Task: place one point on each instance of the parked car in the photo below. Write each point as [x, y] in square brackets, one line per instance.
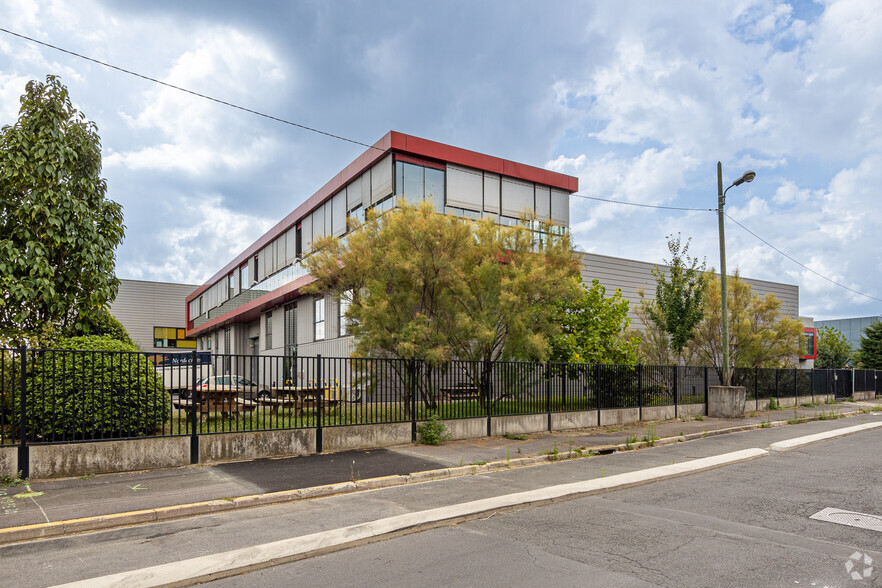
[246, 388]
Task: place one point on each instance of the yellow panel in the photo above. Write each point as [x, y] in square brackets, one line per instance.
[186, 344]
[182, 334]
[169, 333]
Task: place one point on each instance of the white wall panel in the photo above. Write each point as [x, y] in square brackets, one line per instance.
[338, 214]
[306, 234]
[318, 223]
[328, 212]
[560, 207]
[290, 245]
[381, 179]
[491, 192]
[262, 264]
[543, 202]
[517, 197]
[465, 188]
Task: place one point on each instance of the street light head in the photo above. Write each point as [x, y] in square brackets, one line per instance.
[745, 177]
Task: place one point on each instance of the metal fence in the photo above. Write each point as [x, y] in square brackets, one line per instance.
[64, 396]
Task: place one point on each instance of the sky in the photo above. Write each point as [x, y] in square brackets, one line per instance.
[638, 99]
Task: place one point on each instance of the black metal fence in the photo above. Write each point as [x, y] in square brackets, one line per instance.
[61, 396]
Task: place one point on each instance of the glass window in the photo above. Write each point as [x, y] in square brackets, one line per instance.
[413, 182]
[268, 330]
[319, 319]
[243, 276]
[172, 337]
[231, 285]
[344, 306]
[435, 187]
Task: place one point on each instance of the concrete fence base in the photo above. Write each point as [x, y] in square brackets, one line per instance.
[726, 402]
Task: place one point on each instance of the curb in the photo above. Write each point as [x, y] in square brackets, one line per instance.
[212, 567]
[170, 513]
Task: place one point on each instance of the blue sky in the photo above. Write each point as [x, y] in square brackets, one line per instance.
[638, 99]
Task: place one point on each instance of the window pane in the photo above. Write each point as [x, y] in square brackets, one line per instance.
[435, 187]
[413, 182]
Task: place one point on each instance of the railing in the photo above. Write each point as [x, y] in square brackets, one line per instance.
[64, 396]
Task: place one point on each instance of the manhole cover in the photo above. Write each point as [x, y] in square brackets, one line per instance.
[847, 517]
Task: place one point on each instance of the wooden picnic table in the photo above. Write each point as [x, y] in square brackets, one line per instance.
[299, 397]
[223, 400]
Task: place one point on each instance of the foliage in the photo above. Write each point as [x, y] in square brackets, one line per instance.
[432, 431]
[834, 350]
[592, 328]
[870, 353]
[655, 343]
[100, 323]
[434, 287]
[679, 296]
[97, 387]
[758, 336]
[58, 232]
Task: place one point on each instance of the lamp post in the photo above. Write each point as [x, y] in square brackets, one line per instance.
[747, 176]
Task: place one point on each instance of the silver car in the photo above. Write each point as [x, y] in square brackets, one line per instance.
[246, 388]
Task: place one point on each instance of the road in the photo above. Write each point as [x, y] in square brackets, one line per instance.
[743, 524]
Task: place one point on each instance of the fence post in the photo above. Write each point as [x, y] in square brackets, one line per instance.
[413, 402]
[24, 458]
[319, 409]
[705, 389]
[597, 390]
[796, 386]
[756, 386]
[548, 392]
[777, 391]
[639, 392]
[676, 374]
[196, 408]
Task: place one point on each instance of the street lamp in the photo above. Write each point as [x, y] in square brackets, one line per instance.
[747, 176]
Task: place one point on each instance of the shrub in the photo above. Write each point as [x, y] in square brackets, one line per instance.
[103, 323]
[93, 388]
[432, 431]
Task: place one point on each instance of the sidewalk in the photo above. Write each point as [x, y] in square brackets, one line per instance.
[60, 507]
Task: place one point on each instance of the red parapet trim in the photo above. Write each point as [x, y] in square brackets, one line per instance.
[252, 310]
[814, 332]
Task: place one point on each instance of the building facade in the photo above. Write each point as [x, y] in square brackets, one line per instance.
[851, 328]
[154, 314]
[255, 304]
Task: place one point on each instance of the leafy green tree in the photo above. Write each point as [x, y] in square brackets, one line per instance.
[593, 327]
[58, 231]
[426, 286]
[680, 293]
[870, 353]
[758, 335]
[655, 343]
[834, 350]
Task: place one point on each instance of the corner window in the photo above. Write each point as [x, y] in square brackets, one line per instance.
[172, 337]
[319, 319]
[343, 307]
[243, 277]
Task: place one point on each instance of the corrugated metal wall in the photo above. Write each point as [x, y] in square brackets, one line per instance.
[142, 305]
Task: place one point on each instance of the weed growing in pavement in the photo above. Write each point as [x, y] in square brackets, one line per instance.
[514, 437]
[433, 431]
[552, 453]
[630, 441]
[773, 404]
[809, 404]
[7, 480]
[519, 449]
[507, 456]
[685, 419]
[766, 423]
[354, 474]
[87, 476]
[477, 463]
[650, 438]
[699, 417]
[591, 453]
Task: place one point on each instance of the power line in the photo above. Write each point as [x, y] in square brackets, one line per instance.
[802, 265]
[638, 204]
[205, 96]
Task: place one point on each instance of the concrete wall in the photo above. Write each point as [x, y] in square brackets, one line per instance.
[658, 413]
[365, 436]
[8, 461]
[76, 459]
[519, 425]
[689, 410]
[561, 421]
[619, 416]
[466, 428]
[236, 446]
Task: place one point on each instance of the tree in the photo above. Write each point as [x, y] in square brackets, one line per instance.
[758, 336]
[426, 286]
[655, 344]
[679, 296]
[834, 350]
[100, 323]
[58, 231]
[870, 353]
[593, 327]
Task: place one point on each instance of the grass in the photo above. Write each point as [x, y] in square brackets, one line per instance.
[7, 480]
[650, 437]
[629, 442]
[514, 437]
[773, 404]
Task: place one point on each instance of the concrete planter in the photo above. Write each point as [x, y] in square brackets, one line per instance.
[726, 402]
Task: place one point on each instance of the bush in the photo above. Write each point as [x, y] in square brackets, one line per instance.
[93, 388]
[433, 431]
[102, 323]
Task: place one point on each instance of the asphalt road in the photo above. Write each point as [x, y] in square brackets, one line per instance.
[744, 524]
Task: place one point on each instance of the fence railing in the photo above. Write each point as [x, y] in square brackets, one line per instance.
[66, 396]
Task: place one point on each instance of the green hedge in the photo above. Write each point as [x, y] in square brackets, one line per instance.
[93, 387]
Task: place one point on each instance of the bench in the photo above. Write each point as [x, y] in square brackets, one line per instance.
[460, 392]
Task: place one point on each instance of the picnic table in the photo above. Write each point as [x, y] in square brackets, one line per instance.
[223, 400]
[298, 397]
[458, 392]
